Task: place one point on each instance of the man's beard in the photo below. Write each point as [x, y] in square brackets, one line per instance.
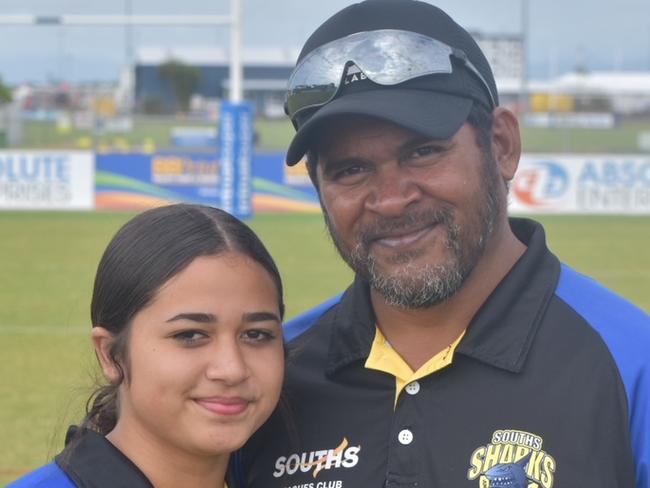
[414, 285]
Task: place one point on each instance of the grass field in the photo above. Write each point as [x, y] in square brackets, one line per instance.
[275, 135]
[152, 133]
[47, 266]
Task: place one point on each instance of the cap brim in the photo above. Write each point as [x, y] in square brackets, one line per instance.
[434, 114]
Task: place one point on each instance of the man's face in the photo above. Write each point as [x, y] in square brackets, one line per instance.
[409, 214]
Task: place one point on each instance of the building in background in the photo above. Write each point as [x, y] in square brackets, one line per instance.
[266, 71]
[505, 53]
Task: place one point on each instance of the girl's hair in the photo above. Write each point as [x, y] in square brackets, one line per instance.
[144, 254]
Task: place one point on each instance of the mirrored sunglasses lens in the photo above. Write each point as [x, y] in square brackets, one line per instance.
[386, 57]
[303, 97]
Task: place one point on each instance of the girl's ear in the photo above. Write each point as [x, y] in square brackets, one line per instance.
[103, 340]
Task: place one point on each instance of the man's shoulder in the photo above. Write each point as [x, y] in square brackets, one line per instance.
[304, 322]
[601, 307]
[622, 326]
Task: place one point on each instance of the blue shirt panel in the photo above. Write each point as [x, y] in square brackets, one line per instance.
[296, 326]
[48, 476]
[625, 329]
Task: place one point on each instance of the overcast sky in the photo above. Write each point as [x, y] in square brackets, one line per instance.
[600, 34]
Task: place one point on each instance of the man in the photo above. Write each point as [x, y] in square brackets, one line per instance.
[464, 354]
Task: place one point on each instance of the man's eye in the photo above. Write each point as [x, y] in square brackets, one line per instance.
[424, 151]
[190, 337]
[348, 174]
[350, 170]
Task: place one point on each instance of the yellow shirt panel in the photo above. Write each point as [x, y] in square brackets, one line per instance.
[384, 358]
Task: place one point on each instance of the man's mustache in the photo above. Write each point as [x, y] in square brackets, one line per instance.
[409, 222]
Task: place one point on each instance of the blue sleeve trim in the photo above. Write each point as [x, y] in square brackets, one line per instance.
[625, 329]
[296, 326]
[48, 476]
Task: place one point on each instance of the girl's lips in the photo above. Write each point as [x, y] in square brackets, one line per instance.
[223, 406]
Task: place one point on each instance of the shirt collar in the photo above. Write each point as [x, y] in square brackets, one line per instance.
[500, 334]
[503, 330]
[353, 327]
[93, 462]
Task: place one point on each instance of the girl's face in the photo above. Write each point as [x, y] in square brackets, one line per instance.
[206, 358]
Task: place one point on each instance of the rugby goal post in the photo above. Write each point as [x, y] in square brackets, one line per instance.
[236, 117]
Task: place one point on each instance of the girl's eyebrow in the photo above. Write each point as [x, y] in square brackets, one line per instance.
[202, 318]
[260, 317]
[208, 318]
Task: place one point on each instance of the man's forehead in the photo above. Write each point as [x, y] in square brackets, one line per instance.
[347, 132]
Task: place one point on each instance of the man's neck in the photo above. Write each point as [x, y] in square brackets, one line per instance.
[419, 334]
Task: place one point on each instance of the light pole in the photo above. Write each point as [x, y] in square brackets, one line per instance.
[236, 69]
[523, 89]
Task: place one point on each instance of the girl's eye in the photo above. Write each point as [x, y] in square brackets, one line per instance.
[258, 335]
[190, 337]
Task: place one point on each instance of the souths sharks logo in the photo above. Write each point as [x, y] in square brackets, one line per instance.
[342, 456]
[509, 475]
[514, 459]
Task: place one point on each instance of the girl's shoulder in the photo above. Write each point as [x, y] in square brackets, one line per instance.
[48, 476]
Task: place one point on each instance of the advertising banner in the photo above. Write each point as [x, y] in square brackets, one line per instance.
[281, 188]
[139, 181]
[47, 180]
[582, 184]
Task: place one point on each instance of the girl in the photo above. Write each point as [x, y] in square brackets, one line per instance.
[186, 313]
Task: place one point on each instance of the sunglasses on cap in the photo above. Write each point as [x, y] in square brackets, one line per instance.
[386, 57]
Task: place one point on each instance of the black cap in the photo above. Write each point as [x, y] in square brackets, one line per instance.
[434, 105]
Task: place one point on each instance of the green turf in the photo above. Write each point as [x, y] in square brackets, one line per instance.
[48, 261]
[275, 135]
[621, 139]
[611, 249]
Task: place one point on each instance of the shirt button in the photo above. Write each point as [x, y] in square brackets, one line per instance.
[405, 437]
[413, 388]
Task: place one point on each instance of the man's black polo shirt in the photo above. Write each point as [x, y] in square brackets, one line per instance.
[547, 388]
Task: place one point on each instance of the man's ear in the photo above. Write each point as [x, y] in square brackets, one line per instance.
[506, 142]
[103, 340]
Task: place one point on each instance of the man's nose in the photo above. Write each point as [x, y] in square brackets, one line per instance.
[392, 190]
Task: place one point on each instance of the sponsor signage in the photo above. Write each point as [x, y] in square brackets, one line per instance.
[79, 180]
[137, 181]
[584, 184]
[297, 175]
[47, 180]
